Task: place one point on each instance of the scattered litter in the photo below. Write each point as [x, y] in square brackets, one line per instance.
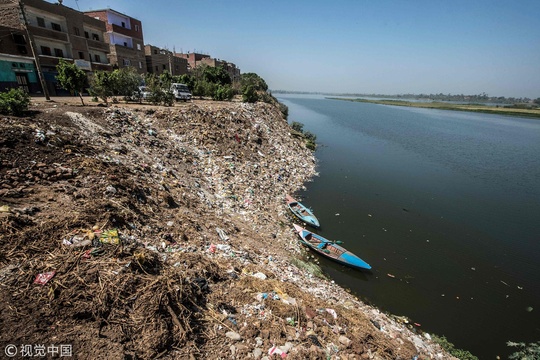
[259, 275]
[223, 236]
[332, 312]
[390, 275]
[4, 208]
[44, 278]
[337, 214]
[529, 309]
[110, 237]
[505, 283]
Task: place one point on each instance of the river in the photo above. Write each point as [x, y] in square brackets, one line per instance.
[445, 206]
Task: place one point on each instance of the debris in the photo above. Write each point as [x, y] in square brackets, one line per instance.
[332, 312]
[44, 278]
[110, 237]
[233, 336]
[390, 275]
[4, 208]
[345, 341]
[223, 236]
[260, 275]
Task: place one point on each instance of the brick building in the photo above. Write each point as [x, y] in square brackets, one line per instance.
[158, 60]
[58, 32]
[125, 38]
[196, 59]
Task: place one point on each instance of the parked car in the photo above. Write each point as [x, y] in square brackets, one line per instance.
[181, 91]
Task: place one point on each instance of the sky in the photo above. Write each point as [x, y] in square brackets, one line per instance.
[355, 46]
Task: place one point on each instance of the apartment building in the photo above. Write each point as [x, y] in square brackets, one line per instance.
[197, 59]
[58, 32]
[125, 38]
[160, 60]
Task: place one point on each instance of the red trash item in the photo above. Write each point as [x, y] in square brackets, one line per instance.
[44, 278]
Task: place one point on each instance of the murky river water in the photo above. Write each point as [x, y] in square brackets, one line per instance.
[444, 205]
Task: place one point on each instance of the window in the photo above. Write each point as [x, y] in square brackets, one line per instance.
[76, 31]
[22, 49]
[155, 52]
[81, 55]
[140, 64]
[123, 24]
[95, 37]
[164, 66]
[86, 35]
[138, 46]
[41, 22]
[125, 44]
[97, 58]
[56, 26]
[58, 53]
[45, 50]
[157, 68]
[127, 62]
[14, 65]
[19, 39]
[136, 27]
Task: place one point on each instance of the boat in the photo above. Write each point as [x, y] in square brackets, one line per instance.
[330, 249]
[302, 212]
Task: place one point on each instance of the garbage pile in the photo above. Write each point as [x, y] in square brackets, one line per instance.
[145, 232]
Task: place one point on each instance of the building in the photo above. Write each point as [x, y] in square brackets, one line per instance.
[125, 38]
[193, 59]
[196, 59]
[160, 60]
[58, 32]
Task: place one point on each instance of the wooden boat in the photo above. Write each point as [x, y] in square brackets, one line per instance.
[330, 249]
[302, 212]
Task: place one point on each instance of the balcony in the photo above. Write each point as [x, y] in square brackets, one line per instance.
[48, 33]
[98, 45]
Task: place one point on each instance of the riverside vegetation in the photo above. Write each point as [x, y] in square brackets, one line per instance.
[512, 110]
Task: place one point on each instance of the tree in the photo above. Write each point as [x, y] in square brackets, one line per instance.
[254, 80]
[71, 78]
[125, 82]
[103, 85]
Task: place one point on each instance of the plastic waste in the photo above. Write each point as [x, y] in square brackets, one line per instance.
[44, 278]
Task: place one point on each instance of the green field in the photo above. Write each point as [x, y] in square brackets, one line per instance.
[513, 111]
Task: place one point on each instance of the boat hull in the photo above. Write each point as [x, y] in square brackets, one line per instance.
[302, 212]
[330, 249]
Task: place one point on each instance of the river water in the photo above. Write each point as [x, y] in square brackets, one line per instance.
[444, 205]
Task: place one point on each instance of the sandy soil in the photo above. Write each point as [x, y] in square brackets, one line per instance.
[166, 235]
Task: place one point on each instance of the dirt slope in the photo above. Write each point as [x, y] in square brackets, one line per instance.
[167, 237]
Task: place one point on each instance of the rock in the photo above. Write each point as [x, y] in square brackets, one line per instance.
[233, 336]
[257, 353]
[345, 341]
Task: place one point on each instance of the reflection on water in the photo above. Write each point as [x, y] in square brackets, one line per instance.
[445, 206]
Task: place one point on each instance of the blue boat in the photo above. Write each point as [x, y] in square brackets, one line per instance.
[302, 212]
[330, 249]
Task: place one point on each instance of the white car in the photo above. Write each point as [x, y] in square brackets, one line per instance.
[181, 91]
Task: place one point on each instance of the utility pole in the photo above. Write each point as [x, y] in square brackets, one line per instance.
[34, 52]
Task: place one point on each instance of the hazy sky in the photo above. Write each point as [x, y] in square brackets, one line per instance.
[362, 46]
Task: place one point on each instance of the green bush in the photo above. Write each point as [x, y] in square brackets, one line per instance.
[250, 95]
[223, 93]
[14, 102]
[524, 351]
[448, 346]
[297, 126]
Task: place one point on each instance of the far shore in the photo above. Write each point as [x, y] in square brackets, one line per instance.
[512, 111]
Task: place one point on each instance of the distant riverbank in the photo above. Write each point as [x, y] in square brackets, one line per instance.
[513, 111]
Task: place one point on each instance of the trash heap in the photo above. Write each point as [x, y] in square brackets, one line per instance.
[146, 232]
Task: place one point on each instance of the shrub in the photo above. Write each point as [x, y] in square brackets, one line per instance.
[297, 126]
[448, 346]
[250, 95]
[71, 78]
[14, 102]
[284, 110]
[524, 351]
[223, 93]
